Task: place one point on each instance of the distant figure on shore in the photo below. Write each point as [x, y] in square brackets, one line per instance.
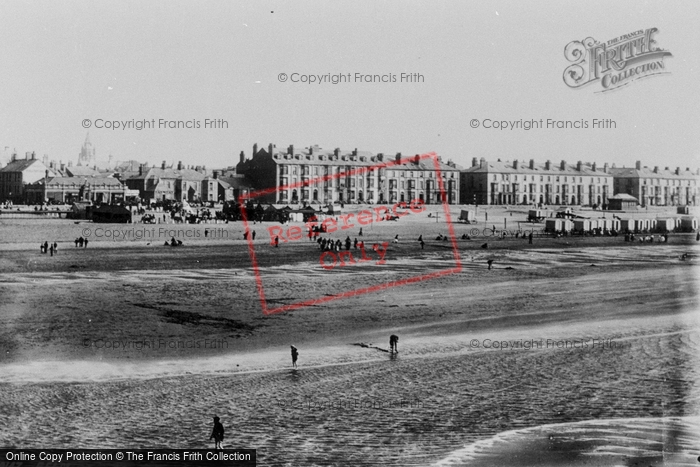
[394, 343]
[55, 247]
[86, 242]
[41, 248]
[51, 250]
[396, 239]
[422, 244]
[529, 238]
[217, 433]
[253, 234]
[360, 234]
[420, 239]
[295, 356]
[245, 235]
[697, 237]
[76, 242]
[490, 263]
[46, 247]
[277, 242]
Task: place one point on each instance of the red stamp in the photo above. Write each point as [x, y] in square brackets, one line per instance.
[333, 257]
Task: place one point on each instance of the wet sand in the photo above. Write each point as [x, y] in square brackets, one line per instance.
[449, 396]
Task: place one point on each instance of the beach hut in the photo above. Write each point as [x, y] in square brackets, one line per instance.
[567, 225]
[467, 216]
[683, 210]
[689, 224]
[552, 225]
[629, 225]
[582, 225]
[665, 225]
[615, 224]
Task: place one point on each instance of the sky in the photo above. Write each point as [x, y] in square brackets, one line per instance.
[66, 62]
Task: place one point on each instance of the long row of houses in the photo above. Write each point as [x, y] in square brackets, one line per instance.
[316, 175]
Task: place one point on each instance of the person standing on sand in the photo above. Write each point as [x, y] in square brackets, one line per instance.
[529, 238]
[360, 232]
[277, 242]
[490, 262]
[217, 433]
[86, 242]
[295, 356]
[394, 343]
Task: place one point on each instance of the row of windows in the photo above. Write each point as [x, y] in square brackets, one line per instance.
[329, 170]
[360, 182]
[546, 188]
[549, 178]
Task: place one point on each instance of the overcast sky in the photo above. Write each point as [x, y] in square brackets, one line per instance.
[66, 61]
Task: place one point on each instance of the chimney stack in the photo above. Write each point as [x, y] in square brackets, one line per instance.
[475, 161]
[354, 152]
[271, 148]
[290, 150]
[336, 152]
[241, 157]
[515, 164]
[416, 159]
[638, 165]
[140, 169]
[215, 174]
[255, 149]
[579, 165]
[162, 166]
[656, 169]
[179, 165]
[532, 164]
[605, 167]
[562, 166]
[678, 170]
[482, 163]
[548, 165]
[398, 157]
[33, 155]
[594, 167]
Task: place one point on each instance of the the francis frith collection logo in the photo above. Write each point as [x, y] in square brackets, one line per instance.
[615, 63]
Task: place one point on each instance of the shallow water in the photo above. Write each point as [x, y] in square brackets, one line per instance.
[439, 400]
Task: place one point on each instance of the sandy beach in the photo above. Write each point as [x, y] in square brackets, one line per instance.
[570, 351]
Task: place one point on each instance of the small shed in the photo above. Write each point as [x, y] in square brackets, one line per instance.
[80, 210]
[622, 202]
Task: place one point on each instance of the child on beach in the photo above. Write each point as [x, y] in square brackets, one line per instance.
[295, 355]
[217, 433]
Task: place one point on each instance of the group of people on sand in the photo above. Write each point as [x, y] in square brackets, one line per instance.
[48, 248]
[328, 244]
[630, 237]
[81, 242]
